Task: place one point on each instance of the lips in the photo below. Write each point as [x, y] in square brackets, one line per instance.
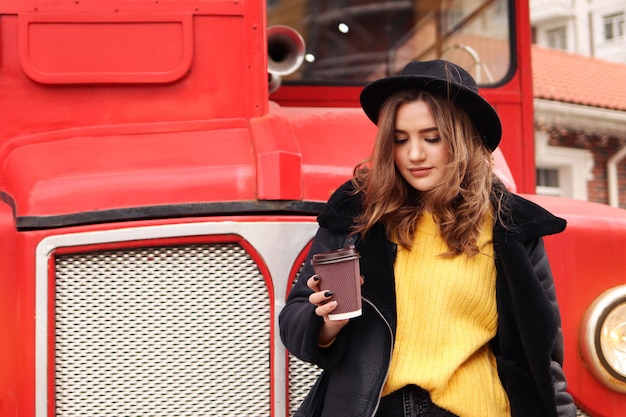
[420, 172]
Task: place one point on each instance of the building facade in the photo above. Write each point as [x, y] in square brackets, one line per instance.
[579, 75]
[587, 27]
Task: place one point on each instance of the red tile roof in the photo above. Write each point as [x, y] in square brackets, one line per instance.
[578, 79]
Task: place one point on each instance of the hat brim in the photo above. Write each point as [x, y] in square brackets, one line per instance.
[479, 110]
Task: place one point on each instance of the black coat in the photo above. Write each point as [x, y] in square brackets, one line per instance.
[528, 345]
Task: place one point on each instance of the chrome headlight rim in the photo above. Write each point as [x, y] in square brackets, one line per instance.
[590, 338]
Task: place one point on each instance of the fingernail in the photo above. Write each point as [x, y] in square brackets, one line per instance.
[316, 278]
[328, 294]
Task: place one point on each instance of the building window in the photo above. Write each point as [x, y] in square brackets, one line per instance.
[548, 182]
[613, 26]
[561, 171]
[557, 38]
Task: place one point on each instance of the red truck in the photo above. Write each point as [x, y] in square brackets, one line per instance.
[162, 166]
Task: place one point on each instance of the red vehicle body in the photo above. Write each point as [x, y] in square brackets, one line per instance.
[158, 201]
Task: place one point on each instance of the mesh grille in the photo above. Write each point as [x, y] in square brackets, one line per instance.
[162, 331]
[302, 376]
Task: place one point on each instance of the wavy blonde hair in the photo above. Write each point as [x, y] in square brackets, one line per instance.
[460, 207]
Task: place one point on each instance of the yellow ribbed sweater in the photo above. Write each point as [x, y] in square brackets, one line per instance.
[446, 317]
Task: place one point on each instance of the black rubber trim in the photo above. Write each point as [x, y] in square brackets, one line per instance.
[25, 223]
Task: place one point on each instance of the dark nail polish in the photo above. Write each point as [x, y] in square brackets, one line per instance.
[316, 278]
[328, 294]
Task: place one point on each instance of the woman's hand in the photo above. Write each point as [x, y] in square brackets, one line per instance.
[325, 306]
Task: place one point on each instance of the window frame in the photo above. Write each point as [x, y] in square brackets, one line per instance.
[614, 21]
[573, 181]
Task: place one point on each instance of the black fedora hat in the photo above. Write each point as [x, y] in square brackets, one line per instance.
[442, 77]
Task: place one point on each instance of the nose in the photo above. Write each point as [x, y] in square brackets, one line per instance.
[416, 150]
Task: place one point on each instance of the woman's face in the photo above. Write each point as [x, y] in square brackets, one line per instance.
[419, 152]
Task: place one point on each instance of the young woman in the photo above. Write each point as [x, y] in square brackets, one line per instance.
[460, 316]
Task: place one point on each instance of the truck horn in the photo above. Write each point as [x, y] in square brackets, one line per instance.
[285, 53]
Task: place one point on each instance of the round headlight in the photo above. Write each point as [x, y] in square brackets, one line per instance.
[603, 338]
[613, 340]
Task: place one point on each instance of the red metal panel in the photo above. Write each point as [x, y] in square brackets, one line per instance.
[128, 168]
[25, 321]
[9, 309]
[220, 82]
[586, 260]
[105, 48]
[332, 141]
[278, 159]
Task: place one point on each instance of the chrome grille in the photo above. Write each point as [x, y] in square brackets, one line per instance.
[161, 331]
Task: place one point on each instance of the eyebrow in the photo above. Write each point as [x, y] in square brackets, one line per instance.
[427, 130]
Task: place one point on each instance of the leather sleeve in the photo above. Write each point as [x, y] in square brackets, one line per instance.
[299, 325]
[564, 401]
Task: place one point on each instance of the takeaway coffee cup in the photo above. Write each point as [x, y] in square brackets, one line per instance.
[339, 272]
